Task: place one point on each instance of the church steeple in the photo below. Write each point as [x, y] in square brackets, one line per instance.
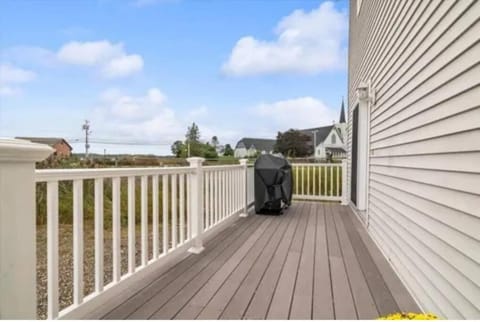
[342, 113]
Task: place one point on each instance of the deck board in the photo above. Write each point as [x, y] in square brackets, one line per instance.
[322, 307]
[238, 304]
[364, 303]
[283, 295]
[314, 261]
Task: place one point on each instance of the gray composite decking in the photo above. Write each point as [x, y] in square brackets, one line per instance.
[316, 261]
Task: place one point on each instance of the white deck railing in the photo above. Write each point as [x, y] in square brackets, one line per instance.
[319, 181]
[187, 204]
[194, 200]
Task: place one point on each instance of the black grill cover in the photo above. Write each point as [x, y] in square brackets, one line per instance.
[273, 184]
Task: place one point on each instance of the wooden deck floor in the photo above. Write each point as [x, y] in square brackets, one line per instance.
[315, 261]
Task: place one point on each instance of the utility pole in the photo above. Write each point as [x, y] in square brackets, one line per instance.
[86, 128]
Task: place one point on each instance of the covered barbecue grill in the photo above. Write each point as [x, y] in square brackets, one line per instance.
[273, 184]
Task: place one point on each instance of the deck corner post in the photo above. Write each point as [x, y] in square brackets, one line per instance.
[18, 266]
[196, 204]
[344, 183]
[243, 163]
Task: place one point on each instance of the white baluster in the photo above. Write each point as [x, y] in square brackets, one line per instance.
[308, 179]
[331, 180]
[166, 245]
[344, 183]
[338, 179]
[116, 229]
[217, 197]
[98, 235]
[52, 249]
[303, 180]
[144, 219]
[174, 211]
[210, 193]
[131, 225]
[182, 208]
[155, 217]
[207, 201]
[77, 242]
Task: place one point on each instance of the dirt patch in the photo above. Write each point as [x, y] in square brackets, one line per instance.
[65, 273]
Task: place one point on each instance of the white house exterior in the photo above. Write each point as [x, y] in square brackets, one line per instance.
[414, 144]
[333, 143]
[330, 139]
[250, 147]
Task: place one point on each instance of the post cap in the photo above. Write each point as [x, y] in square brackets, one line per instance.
[195, 161]
[243, 161]
[15, 150]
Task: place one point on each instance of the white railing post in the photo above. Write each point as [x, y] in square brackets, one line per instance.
[18, 263]
[196, 204]
[244, 162]
[344, 183]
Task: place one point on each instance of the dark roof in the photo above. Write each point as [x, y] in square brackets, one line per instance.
[341, 150]
[48, 141]
[321, 133]
[259, 144]
[342, 114]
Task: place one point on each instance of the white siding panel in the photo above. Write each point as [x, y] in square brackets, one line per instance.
[463, 223]
[460, 142]
[423, 59]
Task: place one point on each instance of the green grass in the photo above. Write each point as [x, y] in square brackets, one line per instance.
[65, 205]
[325, 178]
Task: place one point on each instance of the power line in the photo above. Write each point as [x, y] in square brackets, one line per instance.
[119, 142]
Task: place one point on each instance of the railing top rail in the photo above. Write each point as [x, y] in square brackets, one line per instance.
[222, 167]
[71, 174]
[316, 164]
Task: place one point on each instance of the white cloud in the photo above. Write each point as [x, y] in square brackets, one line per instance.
[112, 58]
[12, 74]
[11, 77]
[297, 113]
[197, 113]
[307, 42]
[9, 91]
[144, 117]
[123, 66]
[89, 53]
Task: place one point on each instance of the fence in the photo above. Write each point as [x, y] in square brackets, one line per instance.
[179, 208]
[319, 181]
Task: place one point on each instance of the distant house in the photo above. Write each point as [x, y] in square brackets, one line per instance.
[61, 146]
[250, 147]
[330, 140]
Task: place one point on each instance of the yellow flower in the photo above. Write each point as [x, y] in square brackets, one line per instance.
[409, 316]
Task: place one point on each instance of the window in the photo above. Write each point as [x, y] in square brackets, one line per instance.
[334, 139]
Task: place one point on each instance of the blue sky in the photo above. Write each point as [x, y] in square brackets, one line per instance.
[142, 70]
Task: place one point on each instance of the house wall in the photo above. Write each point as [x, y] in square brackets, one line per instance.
[423, 204]
[62, 150]
[240, 153]
[320, 150]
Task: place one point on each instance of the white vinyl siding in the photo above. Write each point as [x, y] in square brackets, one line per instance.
[423, 60]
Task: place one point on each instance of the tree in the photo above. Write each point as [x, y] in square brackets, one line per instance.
[177, 148]
[215, 141]
[293, 144]
[228, 151]
[209, 151]
[193, 133]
